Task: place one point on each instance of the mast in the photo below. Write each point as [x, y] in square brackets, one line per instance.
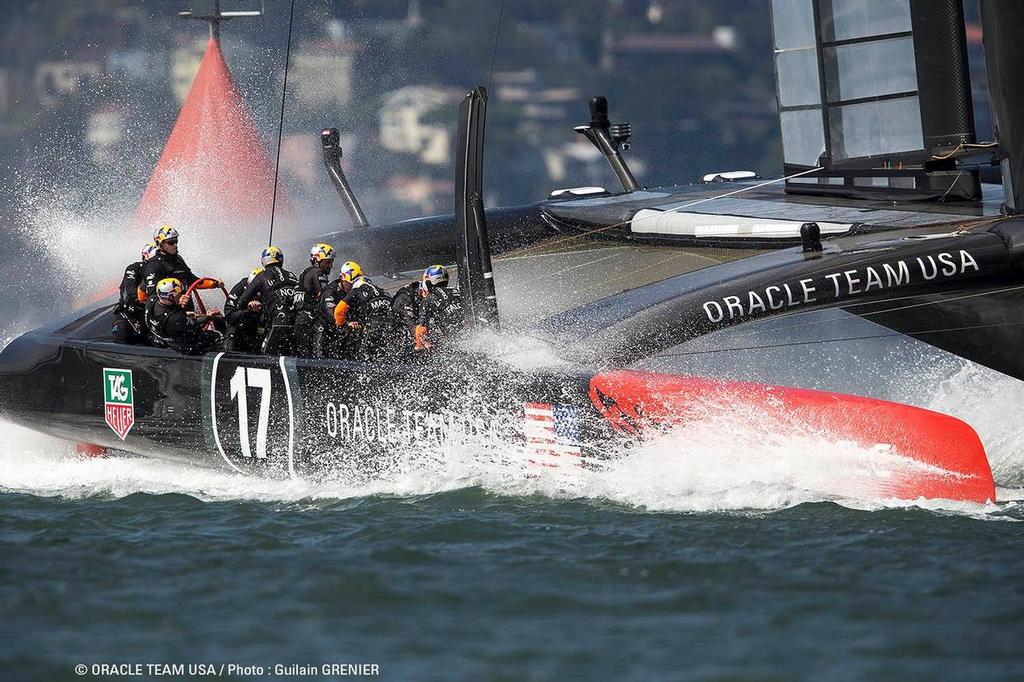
[476, 280]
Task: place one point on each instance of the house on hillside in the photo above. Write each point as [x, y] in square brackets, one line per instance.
[185, 63]
[626, 51]
[418, 120]
[322, 74]
[54, 80]
[105, 130]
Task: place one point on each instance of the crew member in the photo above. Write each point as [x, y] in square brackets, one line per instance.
[274, 293]
[170, 325]
[130, 314]
[360, 313]
[405, 307]
[166, 263]
[244, 332]
[312, 283]
[441, 313]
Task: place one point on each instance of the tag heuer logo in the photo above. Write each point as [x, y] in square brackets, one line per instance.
[119, 400]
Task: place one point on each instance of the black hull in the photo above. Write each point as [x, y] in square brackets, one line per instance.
[305, 417]
[955, 286]
[958, 287]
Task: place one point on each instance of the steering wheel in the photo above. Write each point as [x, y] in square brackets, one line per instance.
[204, 283]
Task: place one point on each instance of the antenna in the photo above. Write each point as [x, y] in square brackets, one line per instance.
[216, 16]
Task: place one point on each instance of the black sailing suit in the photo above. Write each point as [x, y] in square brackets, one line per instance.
[130, 314]
[169, 325]
[406, 309]
[162, 266]
[369, 306]
[312, 283]
[244, 331]
[442, 314]
[275, 288]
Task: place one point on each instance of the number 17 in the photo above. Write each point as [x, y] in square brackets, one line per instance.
[250, 377]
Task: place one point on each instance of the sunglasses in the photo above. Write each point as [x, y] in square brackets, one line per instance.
[170, 242]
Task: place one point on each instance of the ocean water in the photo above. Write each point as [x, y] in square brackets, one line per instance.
[688, 562]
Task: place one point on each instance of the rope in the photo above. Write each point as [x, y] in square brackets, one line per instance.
[952, 185]
[962, 146]
[280, 123]
[494, 52]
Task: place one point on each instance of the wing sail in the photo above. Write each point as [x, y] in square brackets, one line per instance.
[877, 94]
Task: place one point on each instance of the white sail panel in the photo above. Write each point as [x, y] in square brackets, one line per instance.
[851, 19]
[875, 128]
[872, 69]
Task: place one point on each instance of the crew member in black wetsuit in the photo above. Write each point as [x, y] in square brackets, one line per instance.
[170, 325]
[166, 263]
[405, 306]
[244, 332]
[441, 312]
[274, 291]
[312, 282]
[130, 314]
[361, 315]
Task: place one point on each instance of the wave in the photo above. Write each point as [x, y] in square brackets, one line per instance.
[988, 400]
[695, 470]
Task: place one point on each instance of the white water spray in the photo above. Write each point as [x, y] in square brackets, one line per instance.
[698, 469]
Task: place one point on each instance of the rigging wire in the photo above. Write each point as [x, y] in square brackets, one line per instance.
[494, 51]
[280, 123]
[952, 185]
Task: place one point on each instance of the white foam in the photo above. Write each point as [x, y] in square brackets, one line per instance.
[735, 463]
[520, 352]
[990, 402]
[697, 469]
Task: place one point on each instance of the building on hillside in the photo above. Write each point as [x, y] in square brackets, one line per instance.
[104, 132]
[185, 63]
[418, 120]
[322, 73]
[138, 64]
[627, 50]
[55, 80]
[301, 161]
[427, 195]
[544, 114]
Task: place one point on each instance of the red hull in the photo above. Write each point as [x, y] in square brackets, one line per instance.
[940, 457]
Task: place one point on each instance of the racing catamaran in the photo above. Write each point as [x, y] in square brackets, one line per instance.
[882, 226]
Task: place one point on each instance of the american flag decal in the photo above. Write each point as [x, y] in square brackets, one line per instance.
[552, 434]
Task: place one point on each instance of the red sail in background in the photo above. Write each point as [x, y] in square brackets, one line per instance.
[214, 166]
